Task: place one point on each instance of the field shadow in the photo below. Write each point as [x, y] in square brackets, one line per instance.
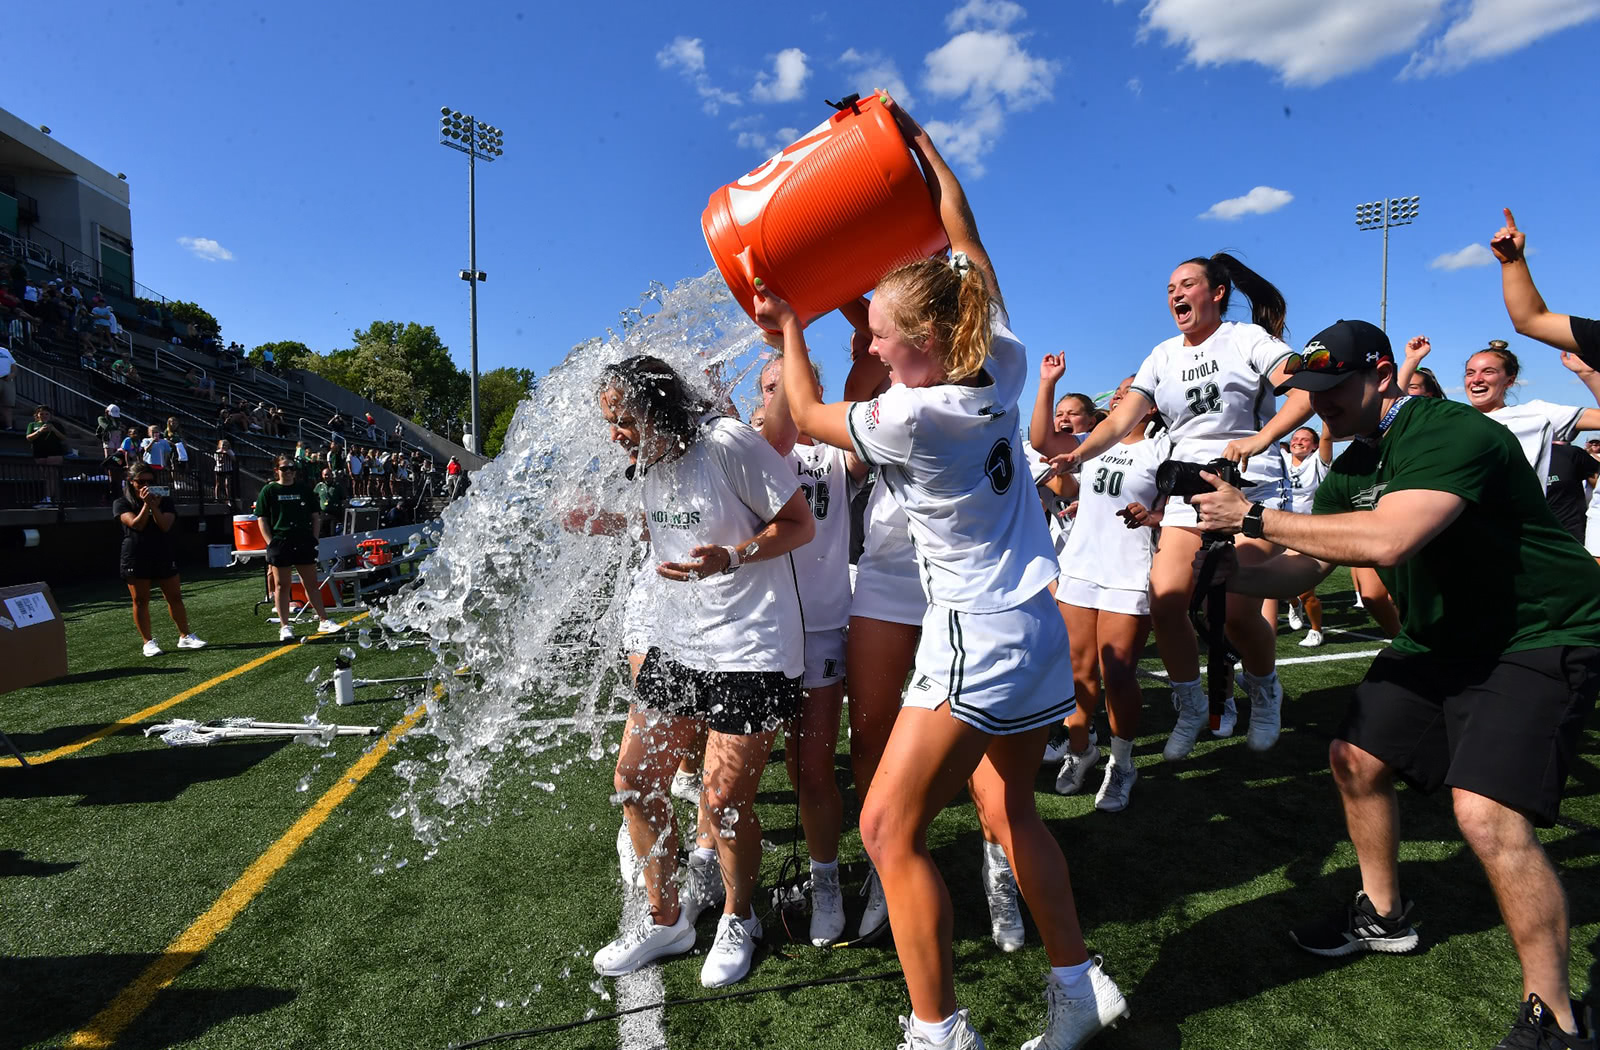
[59, 736]
[117, 673]
[62, 993]
[157, 774]
[15, 862]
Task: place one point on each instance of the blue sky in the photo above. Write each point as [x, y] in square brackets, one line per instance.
[1092, 136]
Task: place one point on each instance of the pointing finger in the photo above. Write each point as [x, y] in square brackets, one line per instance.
[1511, 222]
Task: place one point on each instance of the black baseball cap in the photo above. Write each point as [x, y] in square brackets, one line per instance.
[1339, 351]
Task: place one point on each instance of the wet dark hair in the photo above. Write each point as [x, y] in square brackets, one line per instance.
[653, 390]
[1267, 307]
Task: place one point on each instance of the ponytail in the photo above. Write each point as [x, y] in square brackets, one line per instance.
[1267, 306]
[943, 308]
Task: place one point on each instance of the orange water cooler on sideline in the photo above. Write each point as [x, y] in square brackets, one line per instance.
[247, 533]
[825, 219]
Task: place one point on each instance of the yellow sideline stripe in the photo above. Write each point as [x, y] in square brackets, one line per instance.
[108, 1024]
[150, 712]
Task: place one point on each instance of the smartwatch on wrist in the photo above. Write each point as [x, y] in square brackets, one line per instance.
[733, 558]
[1252, 521]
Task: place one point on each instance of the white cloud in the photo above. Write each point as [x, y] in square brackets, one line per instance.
[687, 56]
[1496, 27]
[988, 14]
[965, 141]
[872, 70]
[1310, 42]
[1471, 255]
[1259, 201]
[752, 135]
[1136, 87]
[206, 248]
[788, 77]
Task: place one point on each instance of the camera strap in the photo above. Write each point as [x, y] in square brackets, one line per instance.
[1208, 611]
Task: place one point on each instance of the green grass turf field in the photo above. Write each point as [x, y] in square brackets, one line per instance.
[111, 852]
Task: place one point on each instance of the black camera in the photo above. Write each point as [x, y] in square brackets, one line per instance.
[1176, 477]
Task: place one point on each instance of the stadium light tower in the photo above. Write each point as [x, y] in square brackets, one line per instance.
[479, 141]
[1380, 215]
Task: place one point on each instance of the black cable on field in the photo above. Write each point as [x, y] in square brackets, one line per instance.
[532, 1033]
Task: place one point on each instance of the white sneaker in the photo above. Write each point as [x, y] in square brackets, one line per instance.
[965, 1037]
[286, 633]
[1359, 603]
[1005, 916]
[1266, 717]
[1229, 720]
[643, 943]
[189, 641]
[876, 912]
[1115, 788]
[628, 862]
[686, 786]
[1075, 768]
[1295, 622]
[1055, 749]
[1194, 714]
[328, 627]
[1311, 640]
[152, 648]
[702, 888]
[827, 908]
[731, 952]
[1071, 1022]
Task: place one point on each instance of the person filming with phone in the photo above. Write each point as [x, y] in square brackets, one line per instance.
[147, 514]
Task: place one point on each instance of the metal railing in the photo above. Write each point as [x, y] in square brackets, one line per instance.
[259, 376]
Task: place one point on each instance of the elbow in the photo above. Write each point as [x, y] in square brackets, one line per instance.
[805, 530]
[1394, 551]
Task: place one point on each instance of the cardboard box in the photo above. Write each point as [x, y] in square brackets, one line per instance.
[33, 637]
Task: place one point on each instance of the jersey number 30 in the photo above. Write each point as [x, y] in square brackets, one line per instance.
[1203, 399]
[1108, 482]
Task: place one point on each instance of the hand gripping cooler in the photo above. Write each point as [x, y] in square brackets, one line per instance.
[825, 219]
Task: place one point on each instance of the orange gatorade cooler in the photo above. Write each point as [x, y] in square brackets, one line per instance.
[247, 533]
[825, 219]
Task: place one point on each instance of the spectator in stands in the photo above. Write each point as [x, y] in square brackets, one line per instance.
[258, 418]
[108, 428]
[200, 384]
[222, 464]
[301, 454]
[49, 449]
[336, 424]
[55, 313]
[18, 320]
[290, 518]
[399, 433]
[158, 450]
[147, 515]
[358, 471]
[330, 494]
[8, 391]
[178, 463]
[336, 460]
[105, 321]
[452, 479]
[269, 362]
[372, 428]
[88, 360]
[275, 421]
[376, 471]
[400, 477]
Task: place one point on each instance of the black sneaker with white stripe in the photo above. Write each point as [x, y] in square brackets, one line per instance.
[1536, 1029]
[1359, 929]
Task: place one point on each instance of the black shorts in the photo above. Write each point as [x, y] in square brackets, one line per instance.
[287, 552]
[1508, 729]
[734, 702]
[148, 570]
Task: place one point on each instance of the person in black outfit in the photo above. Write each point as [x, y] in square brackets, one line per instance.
[147, 519]
[1570, 469]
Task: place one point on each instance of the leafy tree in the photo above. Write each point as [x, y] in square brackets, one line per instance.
[495, 443]
[198, 316]
[437, 384]
[288, 353]
[367, 370]
[500, 390]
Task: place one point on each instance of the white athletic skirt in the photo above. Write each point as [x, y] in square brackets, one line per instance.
[1086, 594]
[891, 597]
[1275, 494]
[824, 657]
[1005, 672]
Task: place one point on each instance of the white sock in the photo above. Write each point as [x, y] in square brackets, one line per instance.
[936, 1031]
[819, 867]
[705, 853]
[1265, 682]
[1074, 980]
[1121, 751]
[996, 855]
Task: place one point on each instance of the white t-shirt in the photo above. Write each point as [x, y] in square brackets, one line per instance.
[886, 546]
[155, 452]
[1055, 508]
[952, 458]
[1102, 549]
[1216, 392]
[1303, 480]
[724, 488]
[1536, 424]
[823, 565]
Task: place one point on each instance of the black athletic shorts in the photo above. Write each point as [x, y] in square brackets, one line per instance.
[149, 570]
[734, 702]
[1506, 729]
[287, 552]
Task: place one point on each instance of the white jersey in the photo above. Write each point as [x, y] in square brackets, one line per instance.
[1216, 392]
[1304, 480]
[952, 458]
[1536, 424]
[886, 547]
[641, 608]
[1102, 549]
[1055, 508]
[724, 488]
[823, 565]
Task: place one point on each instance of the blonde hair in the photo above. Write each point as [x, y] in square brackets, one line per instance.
[945, 312]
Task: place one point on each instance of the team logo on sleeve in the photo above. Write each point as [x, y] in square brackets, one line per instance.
[1001, 466]
[872, 414]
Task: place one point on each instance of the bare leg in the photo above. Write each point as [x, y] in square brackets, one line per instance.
[1313, 607]
[139, 591]
[1121, 643]
[1171, 581]
[1529, 893]
[1083, 640]
[1254, 636]
[308, 580]
[644, 768]
[813, 748]
[172, 591]
[1376, 598]
[732, 774]
[878, 656]
[1372, 816]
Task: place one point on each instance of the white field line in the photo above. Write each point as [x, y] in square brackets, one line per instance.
[615, 716]
[643, 1030]
[1319, 658]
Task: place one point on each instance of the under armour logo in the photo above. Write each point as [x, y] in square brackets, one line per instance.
[1372, 358]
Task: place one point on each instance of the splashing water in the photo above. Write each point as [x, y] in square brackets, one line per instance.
[535, 611]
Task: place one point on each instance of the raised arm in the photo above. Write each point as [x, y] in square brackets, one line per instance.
[1295, 411]
[1118, 425]
[1042, 433]
[821, 422]
[1417, 348]
[1325, 448]
[1529, 315]
[1589, 419]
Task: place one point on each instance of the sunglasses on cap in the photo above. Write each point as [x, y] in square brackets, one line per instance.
[1320, 360]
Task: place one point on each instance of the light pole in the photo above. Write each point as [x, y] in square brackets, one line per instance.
[1380, 215]
[479, 141]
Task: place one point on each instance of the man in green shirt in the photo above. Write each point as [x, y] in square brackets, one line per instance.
[330, 494]
[1487, 686]
[290, 516]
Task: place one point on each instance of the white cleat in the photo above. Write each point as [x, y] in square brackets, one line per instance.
[329, 627]
[286, 633]
[1194, 714]
[1229, 720]
[732, 951]
[1005, 915]
[686, 787]
[152, 648]
[1266, 717]
[1116, 787]
[1295, 620]
[1070, 1022]
[827, 908]
[190, 641]
[965, 1037]
[642, 944]
[876, 913]
[1311, 640]
[1075, 769]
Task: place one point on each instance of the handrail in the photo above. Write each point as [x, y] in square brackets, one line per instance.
[183, 363]
[282, 384]
[79, 394]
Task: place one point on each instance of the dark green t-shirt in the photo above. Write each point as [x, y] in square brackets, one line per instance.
[1504, 576]
[287, 509]
[336, 459]
[330, 495]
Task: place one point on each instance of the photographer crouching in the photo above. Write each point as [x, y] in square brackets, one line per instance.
[147, 514]
[1486, 688]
